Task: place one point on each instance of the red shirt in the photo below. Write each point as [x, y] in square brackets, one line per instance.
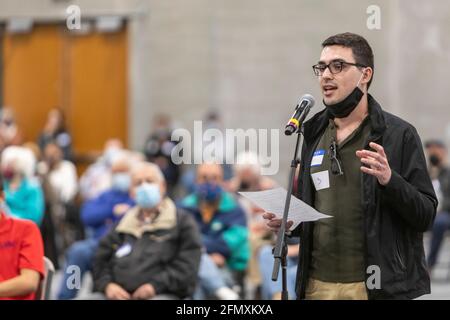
[20, 248]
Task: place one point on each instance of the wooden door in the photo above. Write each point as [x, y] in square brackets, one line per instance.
[32, 74]
[85, 75]
[97, 80]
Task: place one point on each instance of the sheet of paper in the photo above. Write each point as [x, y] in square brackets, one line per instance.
[273, 201]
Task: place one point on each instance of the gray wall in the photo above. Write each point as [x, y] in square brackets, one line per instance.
[252, 59]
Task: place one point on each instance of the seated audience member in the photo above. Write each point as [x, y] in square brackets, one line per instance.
[21, 256]
[158, 149]
[439, 171]
[222, 223]
[248, 178]
[248, 175]
[47, 226]
[55, 131]
[10, 134]
[154, 251]
[98, 215]
[60, 184]
[23, 192]
[97, 177]
[61, 174]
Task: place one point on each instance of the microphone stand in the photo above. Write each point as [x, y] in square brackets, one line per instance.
[280, 249]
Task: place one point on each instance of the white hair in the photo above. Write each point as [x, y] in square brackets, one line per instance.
[122, 156]
[148, 165]
[22, 160]
[248, 160]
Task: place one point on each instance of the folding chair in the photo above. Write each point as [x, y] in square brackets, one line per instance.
[43, 292]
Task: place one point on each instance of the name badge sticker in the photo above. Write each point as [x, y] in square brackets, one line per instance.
[317, 158]
[124, 250]
[321, 180]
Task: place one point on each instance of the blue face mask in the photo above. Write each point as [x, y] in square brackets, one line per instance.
[121, 182]
[148, 195]
[209, 192]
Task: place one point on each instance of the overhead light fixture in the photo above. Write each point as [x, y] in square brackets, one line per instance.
[108, 23]
[85, 27]
[19, 25]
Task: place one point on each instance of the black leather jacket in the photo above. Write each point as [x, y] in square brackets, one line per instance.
[167, 258]
[395, 215]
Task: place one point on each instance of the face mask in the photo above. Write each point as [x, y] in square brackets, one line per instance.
[148, 195]
[209, 192]
[121, 181]
[8, 174]
[434, 160]
[110, 154]
[345, 107]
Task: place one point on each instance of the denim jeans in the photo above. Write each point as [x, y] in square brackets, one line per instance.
[440, 226]
[211, 278]
[80, 254]
[269, 287]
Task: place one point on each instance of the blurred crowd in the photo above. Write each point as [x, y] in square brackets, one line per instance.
[141, 226]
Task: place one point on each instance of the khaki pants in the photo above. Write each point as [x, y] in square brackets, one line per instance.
[319, 290]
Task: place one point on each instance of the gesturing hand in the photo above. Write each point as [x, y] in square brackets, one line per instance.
[376, 163]
[274, 223]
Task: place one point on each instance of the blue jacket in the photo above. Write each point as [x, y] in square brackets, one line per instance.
[98, 213]
[27, 202]
[227, 231]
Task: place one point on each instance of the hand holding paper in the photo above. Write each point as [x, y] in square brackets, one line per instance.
[273, 201]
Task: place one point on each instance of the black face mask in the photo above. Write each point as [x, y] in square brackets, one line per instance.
[434, 160]
[345, 107]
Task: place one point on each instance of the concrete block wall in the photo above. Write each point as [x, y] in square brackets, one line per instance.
[252, 59]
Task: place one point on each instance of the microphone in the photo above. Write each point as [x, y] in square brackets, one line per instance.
[300, 113]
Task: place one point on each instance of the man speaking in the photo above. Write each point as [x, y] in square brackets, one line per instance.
[366, 168]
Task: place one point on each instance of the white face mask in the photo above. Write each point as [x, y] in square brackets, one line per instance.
[148, 195]
[121, 181]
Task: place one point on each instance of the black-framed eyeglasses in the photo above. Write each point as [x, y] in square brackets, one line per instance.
[334, 66]
[336, 167]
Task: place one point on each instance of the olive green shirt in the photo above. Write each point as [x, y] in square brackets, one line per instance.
[338, 242]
